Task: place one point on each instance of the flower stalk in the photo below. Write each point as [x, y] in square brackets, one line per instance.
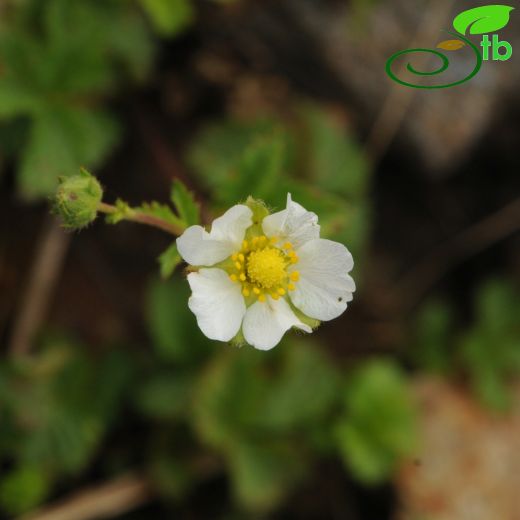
[135, 215]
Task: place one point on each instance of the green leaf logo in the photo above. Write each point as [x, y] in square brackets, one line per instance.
[482, 20]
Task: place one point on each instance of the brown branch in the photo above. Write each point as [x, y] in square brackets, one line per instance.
[110, 499]
[48, 260]
[475, 239]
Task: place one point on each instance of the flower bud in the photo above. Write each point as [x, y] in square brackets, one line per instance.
[77, 200]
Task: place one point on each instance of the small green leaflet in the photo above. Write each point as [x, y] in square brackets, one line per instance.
[483, 20]
[161, 211]
[185, 204]
[169, 260]
[169, 17]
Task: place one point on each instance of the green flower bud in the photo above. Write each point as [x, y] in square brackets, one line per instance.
[77, 200]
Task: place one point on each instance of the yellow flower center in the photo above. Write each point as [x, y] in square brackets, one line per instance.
[261, 268]
[266, 267]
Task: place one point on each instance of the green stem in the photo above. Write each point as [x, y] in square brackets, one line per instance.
[134, 215]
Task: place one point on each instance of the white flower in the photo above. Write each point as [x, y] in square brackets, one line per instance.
[260, 271]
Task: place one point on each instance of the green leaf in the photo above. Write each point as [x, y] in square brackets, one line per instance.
[60, 142]
[91, 133]
[16, 101]
[169, 260]
[232, 160]
[164, 396]
[161, 211]
[434, 326]
[172, 325]
[23, 489]
[482, 20]
[169, 17]
[185, 203]
[262, 474]
[335, 161]
[123, 209]
[259, 170]
[490, 350]
[47, 156]
[63, 403]
[293, 403]
[378, 427]
[89, 46]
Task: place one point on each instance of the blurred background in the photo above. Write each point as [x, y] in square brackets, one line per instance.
[112, 402]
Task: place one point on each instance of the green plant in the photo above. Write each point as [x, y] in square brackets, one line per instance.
[379, 424]
[486, 351]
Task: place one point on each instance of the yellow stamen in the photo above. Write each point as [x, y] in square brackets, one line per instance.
[266, 267]
[261, 267]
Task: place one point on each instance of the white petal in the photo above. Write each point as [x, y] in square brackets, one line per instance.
[198, 247]
[217, 303]
[231, 226]
[324, 288]
[294, 224]
[266, 323]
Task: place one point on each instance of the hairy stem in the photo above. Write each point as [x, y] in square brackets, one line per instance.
[134, 215]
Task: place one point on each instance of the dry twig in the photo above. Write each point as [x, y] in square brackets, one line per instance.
[48, 260]
[104, 501]
[475, 239]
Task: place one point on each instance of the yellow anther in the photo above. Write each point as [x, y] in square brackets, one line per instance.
[294, 259]
[281, 291]
[245, 245]
[242, 277]
[238, 265]
[275, 296]
[233, 277]
[291, 286]
[246, 292]
[234, 257]
[261, 298]
[273, 240]
[287, 245]
[295, 276]
[256, 290]
[241, 257]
